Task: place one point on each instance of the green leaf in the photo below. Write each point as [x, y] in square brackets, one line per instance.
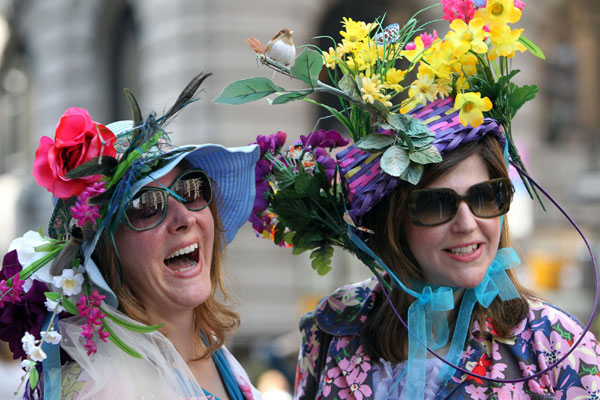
[298, 250]
[247, 90]
[52, 296]
[321, 259]
[413, 173]
[94, 167]
[307, 67]
[429, 155]
[279, 231]
[416, 127]
[520, 95]
[380, 108]
[348, 85]
[119, 343]
[131, 326]
[532, 47]
[302, 183]
[399, 122]
[46, 247]
[375, 141]
[504, 80]
[296, 95]
[34, 377]
[394, 161]
[69, 306]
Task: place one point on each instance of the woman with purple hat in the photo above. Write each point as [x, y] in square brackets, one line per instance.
[125, 298]
[420, 197]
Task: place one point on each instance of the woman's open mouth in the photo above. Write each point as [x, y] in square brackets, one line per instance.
[183, 259]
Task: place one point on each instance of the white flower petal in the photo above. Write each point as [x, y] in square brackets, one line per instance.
[51, 337]
[36, 354]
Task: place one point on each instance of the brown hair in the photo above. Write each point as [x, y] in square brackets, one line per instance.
[383, 335]
[214, 318]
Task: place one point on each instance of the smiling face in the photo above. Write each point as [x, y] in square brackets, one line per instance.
[459, 252]
[169, 266]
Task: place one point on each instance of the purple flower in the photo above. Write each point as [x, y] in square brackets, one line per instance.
[26, 316]
[10, 265]
[323, 138]
[260, 202]
[262, 169]
[257, 223]
[326, 161]
[272, 142]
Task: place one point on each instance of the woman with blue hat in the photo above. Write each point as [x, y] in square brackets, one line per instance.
[125, 297]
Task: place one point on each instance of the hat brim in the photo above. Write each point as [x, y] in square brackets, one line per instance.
[231, 170]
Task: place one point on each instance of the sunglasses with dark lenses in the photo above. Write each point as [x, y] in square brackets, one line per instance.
[436, 206]
[148, 208]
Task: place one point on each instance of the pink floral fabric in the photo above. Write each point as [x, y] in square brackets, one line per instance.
[535, 343]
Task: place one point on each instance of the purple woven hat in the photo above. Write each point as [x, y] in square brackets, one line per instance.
[365, 181]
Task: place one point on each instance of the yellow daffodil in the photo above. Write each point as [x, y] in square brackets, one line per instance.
[468, 37]
[504, 41]
[471, 107]
[415, 54]
[499, 11]
[466, 64]
[393, 79]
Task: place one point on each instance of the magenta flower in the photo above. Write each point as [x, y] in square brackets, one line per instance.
[458, 9]
[88, 307]
[83, 211]
[519, 4]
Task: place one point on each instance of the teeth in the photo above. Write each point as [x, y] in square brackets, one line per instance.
[186, 250]
[464, 250]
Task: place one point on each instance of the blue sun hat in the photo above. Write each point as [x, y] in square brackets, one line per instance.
[232, 169]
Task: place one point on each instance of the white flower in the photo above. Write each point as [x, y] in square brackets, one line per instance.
[36, 354]
[69, 281]
[51, 306]
[27, 255]
[28, 341]
[27, 364]
[51, 337]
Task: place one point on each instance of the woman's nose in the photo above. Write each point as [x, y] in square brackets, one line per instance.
[178, 216]
[464, 220]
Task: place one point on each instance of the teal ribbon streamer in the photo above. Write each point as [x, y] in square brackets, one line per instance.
[495, 282]
[229, 381]
[233, 389]
[51, 367]
[430, 306]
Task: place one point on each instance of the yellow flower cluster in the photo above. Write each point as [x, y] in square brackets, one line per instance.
[443, 65]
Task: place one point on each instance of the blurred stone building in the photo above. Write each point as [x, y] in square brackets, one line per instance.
[55, 54]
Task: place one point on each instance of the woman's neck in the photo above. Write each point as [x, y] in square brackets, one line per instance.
[180, 329]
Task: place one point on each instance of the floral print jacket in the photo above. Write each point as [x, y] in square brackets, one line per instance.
[536, 342]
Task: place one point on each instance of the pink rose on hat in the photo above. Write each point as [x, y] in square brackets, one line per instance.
[78, 139]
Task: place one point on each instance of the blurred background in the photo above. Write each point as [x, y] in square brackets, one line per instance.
[55, 54]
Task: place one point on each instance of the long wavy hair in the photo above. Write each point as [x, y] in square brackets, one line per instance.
[215, 319]
[383, 335]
